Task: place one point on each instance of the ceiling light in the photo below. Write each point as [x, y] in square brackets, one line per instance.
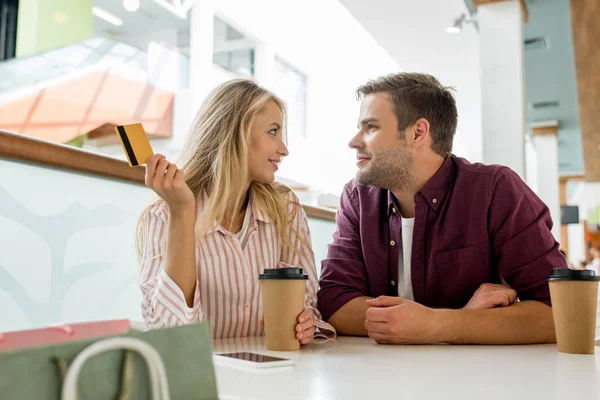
[131, 5]
[457, 24]
[108, 17]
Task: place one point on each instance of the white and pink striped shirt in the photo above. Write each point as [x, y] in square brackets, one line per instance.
[228, 292]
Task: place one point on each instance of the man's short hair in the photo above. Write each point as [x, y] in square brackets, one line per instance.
[415, 96]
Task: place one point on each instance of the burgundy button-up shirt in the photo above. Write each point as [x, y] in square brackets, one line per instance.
[474, 224]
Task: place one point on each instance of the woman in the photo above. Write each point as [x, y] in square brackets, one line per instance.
[221, 219]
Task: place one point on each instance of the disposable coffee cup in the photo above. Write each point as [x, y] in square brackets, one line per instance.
[283, 300]
[574, 296]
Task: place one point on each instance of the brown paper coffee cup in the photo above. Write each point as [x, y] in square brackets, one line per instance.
[574, 297]
[283, 300]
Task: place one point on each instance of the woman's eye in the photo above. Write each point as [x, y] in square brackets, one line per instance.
[273, 131]
[371, 127]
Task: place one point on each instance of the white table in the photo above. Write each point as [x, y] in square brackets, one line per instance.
[358, 368]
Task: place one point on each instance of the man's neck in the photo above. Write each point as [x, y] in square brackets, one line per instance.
[424, 171]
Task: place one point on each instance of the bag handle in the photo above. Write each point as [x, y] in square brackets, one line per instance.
[158, 375]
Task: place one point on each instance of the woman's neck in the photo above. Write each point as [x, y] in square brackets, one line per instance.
[234, 215]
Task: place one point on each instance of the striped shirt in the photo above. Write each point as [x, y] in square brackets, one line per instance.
[228, 292]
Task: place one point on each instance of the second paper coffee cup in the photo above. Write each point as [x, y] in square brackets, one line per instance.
[574, 296]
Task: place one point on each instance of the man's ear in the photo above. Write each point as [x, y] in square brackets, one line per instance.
[420, 132]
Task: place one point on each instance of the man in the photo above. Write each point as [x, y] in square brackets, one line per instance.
[430, 248]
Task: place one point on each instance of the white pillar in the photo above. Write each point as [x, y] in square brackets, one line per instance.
[546, 146]
[502, 84]
[201, 51]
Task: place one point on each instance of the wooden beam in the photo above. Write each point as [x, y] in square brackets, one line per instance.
[585, 15]
[523, 3]
[544, 130]
[566, 178]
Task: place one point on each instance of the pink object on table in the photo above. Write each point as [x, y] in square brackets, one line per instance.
[62, 333]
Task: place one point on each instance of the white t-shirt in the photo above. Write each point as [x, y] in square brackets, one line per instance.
[405, 288]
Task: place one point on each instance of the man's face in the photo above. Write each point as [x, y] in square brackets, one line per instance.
[384, 156]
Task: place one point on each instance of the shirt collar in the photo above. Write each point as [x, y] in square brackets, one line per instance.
[435, 190]
[257, 215]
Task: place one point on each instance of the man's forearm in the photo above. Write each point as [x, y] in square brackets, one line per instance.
[350, 318]
[525, 322]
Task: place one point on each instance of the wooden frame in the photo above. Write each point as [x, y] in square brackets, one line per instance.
[523, 3]
[544, 130]
[20, 147]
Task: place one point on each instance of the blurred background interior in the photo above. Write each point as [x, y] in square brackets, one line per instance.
[527, 87]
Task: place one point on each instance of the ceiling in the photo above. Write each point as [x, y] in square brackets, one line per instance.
[550, 82]
[150, 22]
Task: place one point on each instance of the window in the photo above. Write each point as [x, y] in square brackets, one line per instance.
[290, 85]
[232, 50]
[8, 28]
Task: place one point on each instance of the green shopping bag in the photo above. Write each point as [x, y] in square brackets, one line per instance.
[37, 373]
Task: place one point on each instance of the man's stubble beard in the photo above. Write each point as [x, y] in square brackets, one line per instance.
[391, 169]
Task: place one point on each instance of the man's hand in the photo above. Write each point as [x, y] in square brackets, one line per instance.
[395, 320]
[491, 295]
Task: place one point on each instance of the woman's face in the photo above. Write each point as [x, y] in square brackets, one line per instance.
[266, 147]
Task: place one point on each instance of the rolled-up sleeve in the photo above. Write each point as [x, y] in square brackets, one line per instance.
[520, 231]
[163, 302]
[343, 272]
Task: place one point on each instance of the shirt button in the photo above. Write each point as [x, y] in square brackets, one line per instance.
[393, 283]
[434, 201]
[392, 243]
[393, 210]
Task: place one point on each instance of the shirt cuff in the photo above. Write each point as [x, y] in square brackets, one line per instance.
[325, 330]
[170, 295]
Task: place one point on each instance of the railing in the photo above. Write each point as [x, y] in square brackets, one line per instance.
[20, 147]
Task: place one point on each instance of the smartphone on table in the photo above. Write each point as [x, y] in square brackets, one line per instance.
[251, 360]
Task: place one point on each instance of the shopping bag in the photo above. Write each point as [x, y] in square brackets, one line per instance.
[37, 372]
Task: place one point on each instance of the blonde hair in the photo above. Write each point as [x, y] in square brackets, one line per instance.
[214, 159]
